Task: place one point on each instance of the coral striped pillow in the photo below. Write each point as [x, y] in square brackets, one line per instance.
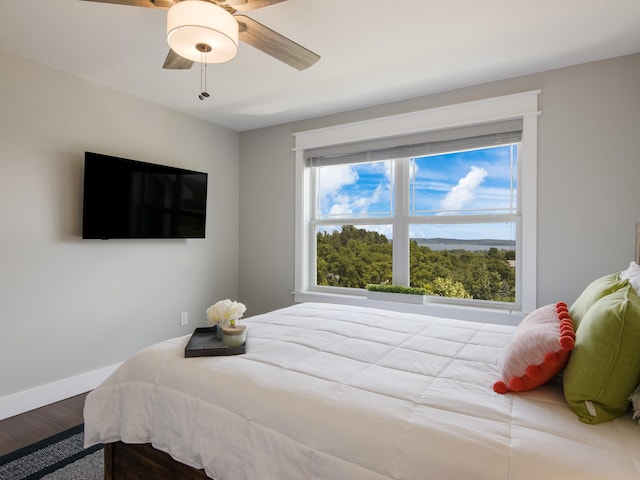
[538, 350]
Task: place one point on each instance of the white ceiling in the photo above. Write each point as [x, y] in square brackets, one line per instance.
[373, 51]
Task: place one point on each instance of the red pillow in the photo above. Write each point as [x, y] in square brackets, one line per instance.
[538, 350]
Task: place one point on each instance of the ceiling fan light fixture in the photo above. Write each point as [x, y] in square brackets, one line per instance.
[194, 23]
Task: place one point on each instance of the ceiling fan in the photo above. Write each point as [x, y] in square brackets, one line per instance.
[249, 31]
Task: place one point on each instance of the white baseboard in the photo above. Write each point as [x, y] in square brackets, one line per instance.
[26, 400]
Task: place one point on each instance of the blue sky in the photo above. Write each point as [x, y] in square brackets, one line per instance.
[476, 180]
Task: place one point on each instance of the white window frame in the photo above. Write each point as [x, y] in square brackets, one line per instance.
[517, 106]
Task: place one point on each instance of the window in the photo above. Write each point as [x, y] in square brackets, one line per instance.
[445, 208]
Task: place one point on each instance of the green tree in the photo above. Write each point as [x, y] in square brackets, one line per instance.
[354, 257]
[446, 287]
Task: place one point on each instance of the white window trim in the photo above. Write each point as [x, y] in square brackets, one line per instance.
[521, 105]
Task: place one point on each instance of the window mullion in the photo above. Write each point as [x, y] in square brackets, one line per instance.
[400, 249]
[312, 238]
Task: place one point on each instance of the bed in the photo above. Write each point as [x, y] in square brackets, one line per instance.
[328, 392]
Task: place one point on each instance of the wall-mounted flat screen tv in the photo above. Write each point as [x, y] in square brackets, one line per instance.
[130, 199]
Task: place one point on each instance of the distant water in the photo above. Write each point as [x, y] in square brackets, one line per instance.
[464, 246]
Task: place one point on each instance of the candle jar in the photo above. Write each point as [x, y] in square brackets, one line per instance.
[235, 336]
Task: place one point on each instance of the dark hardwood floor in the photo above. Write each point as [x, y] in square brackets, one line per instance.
[27, 428]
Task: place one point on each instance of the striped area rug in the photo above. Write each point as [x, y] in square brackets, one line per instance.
[60, 457]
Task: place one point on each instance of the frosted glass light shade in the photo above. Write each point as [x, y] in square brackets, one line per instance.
[195, 22]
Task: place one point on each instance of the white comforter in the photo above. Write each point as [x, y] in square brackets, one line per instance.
[329, 392]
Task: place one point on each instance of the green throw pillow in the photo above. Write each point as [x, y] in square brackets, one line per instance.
[595, 291]
[604, 367]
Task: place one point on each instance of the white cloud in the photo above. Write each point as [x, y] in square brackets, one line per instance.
[415, 169]
[388, 169]
[334, 178]
[465, 190]
[342, 209]
[362, 203]
[354, 190]
[338, 199]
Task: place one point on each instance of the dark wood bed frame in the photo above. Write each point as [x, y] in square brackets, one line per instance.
[124, 461]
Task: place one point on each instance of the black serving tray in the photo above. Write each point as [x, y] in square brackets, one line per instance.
[205, 343]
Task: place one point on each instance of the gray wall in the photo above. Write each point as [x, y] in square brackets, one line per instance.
[588, 171]
[69, 306]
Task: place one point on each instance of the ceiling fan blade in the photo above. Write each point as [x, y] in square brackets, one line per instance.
[246, 5]
[230, 5]
[176, 62]
[274, 44]
[139, 3]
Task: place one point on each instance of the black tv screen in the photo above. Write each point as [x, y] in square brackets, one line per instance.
[130, 199]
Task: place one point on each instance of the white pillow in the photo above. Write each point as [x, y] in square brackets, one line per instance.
[635, 401]
[633, 275]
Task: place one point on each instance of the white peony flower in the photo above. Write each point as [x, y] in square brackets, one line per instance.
[225, 312]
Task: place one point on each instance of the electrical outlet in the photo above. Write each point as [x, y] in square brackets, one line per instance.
[184, 319]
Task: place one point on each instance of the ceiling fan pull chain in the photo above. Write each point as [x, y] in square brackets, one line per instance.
[203, 70]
